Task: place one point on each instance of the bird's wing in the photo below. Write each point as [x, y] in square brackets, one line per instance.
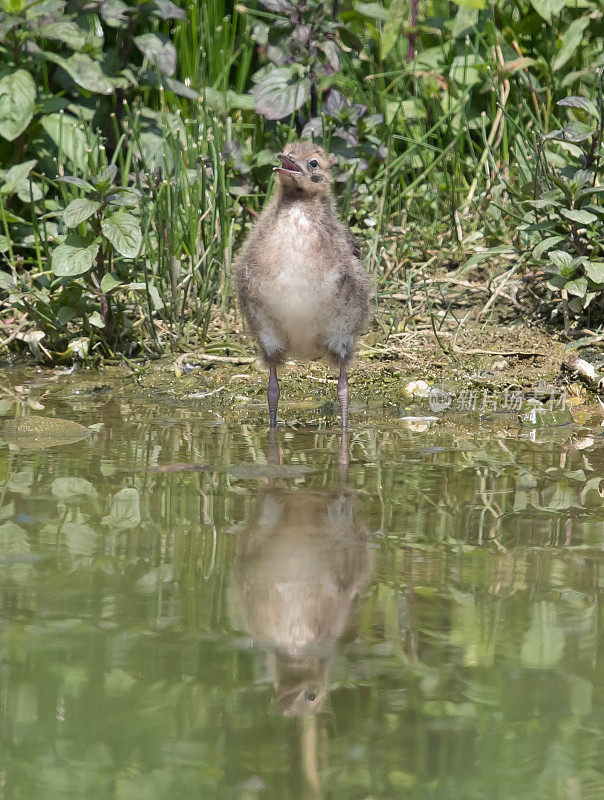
[352, 242]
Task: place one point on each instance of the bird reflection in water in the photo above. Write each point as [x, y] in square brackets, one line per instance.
[302, 559]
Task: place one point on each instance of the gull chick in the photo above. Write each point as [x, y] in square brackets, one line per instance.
[302, 560]
[301, 285]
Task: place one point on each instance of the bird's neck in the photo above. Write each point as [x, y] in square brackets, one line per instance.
[315, 206]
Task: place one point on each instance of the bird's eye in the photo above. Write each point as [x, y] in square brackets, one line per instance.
[313, 163]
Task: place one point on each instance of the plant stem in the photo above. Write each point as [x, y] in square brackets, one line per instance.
[412, 34]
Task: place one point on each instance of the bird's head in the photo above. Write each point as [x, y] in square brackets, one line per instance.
[304, 169]
[301, 681]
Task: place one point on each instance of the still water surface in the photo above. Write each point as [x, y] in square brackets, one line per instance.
[191, 610]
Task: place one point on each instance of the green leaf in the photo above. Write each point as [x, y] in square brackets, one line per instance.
[115, 13]
[72, 487]
[166, 9]
[15, 176]
[14, 539]
[578, 131]
[179, 88]
[580, 102]
[563, 261]
[571, 39]
[16, 179]
[594, 270]
[124, 232]
[561, 185]
[109, 283]
[96, 320]
[391, 31]
[40, 8]
[471, 3]
[118, 682]
[577, 287]
[7, 23]
[65, 31]
[152, 148]
[17, 100]
[85, 72]
[464, 69]
[73, 258]
[77, 182]
[66, 133]
[109, 174]
[280, 91]
[65, 314]
[547, 244]
[582, 217]
[129, 199]
[592, 190]
[29, 192]
[372, 10]
[151, 580]
[548, 9]
[159, 50]
[550, 199]
[579, 179]
[226, 101]
[106, 178]
[79, 210]
[556, 282]
[125, 511]
[349, 38]
[463, 22]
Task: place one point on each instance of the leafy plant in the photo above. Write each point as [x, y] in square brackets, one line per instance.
[433, 111]
[99, 237]
[103, 230]
[101, 42]
[300, 45]
[566, 208]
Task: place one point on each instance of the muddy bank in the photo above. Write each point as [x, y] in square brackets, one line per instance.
[499, 357]
[487, 369]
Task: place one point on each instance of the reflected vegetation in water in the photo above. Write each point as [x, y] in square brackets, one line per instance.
[189, 609]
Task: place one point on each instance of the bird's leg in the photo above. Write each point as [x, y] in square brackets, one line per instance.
[343, 395]
[343, 461]
[273, 395]
[273, 454]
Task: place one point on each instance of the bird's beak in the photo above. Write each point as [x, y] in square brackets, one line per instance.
[286, 700]
[288, 165]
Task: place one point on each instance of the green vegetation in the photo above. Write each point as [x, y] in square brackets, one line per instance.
[473, 134]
